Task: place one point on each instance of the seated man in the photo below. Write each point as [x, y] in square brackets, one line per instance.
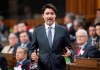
[21, 57]
[97, 27]
[92, 35]
[13, 40]
[3, 63]
[84, 49]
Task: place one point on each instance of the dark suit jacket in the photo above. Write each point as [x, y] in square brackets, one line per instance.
[3, 63]
[89, 51]
[25, 64]
[19, 44]
[51, 58]
[29, 35]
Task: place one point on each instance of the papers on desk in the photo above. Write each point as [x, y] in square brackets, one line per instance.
[67, 60]
[17, 68]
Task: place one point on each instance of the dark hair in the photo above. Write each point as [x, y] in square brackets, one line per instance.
[92, 25]
[51, 6]
[71, 16]
[97, 24]
[21, 21]
[24, 32]
[98, 9]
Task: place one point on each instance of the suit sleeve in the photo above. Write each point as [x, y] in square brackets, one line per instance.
[34, 44]
[67, 40]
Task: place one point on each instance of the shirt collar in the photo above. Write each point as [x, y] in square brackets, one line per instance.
[26, 43]
[82, 46]
[53, 25]
[21, 62]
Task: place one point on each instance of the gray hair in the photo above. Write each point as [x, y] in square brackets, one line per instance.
[11, 35]
[83, 31]
[24, 48]
[71, 16]
[79, 20]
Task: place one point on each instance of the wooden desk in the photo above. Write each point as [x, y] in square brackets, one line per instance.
[11, 60]
[85, 64]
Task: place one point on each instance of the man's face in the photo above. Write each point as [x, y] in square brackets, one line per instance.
[81, 38]
[75, 24]
[67, 20]
[15, 29]
[92, 31]
[49, 16]
[98, 30]
[21, 27]
[24, 37]
[20, 54]
[13, 40]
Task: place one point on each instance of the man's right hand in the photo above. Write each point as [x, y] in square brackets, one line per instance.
[34, 56]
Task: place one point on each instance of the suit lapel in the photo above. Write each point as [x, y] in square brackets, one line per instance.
[55, 36]
[44, 36]
[84, 49]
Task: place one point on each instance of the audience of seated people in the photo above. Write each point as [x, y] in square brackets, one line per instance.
[21, 57]
[89, 49]
[13, 41]
[22, 27]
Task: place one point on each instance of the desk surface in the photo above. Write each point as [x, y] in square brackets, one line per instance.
[11, 59]
[85, 64]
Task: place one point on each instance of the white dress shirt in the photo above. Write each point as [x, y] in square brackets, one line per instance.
[82, 51]
[52, 30]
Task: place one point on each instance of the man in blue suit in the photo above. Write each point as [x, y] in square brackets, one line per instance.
[51, 39]
[21, 57]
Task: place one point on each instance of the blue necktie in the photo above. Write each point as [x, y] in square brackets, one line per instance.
[50, 36]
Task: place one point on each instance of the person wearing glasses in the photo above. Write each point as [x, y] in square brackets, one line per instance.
[84, 50]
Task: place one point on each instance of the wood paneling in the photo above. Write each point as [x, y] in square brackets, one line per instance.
[85, 7]
[31, 22]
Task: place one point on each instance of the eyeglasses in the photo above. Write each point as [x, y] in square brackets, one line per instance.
[80, 36]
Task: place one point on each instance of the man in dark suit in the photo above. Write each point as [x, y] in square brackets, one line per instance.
[51, 39]
[84, 48]
[21, 57]
[92, 35]
[24, 41]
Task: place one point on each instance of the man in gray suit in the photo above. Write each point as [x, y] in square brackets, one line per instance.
[51, 39]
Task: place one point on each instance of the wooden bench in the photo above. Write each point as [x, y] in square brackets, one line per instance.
[85, 64]
[11, 60]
